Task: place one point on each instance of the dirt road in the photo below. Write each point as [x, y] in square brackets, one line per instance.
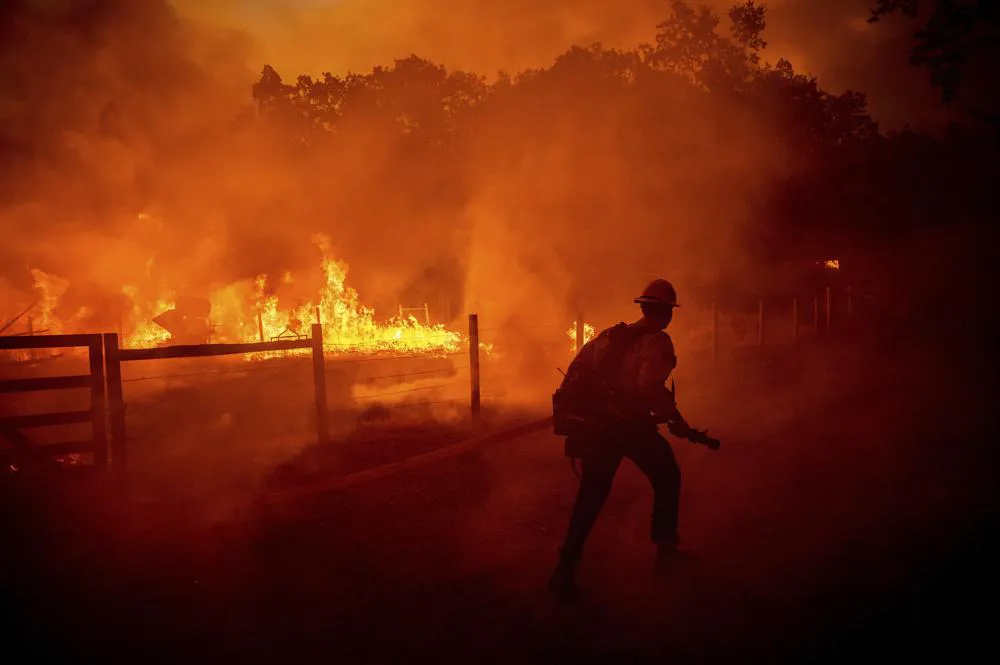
[837, 523]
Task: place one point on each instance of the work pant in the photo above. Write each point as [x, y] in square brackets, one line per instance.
[603, 454]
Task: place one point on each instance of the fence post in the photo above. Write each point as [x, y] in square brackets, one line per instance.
[828, 317]
[715, 331]
[319, 382]
[427, 315]
[474, 362]
[580, 332]
[795, 320]
[95, 353]
[760, 322]
[116, 402]
[260, 325]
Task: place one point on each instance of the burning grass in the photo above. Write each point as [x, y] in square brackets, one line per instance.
[263, 309]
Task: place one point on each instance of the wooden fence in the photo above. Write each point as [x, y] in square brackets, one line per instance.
[11, 426]
[115, 356]
[106, 357]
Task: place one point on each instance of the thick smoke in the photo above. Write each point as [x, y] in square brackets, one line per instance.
[110, 106]
[142, 166]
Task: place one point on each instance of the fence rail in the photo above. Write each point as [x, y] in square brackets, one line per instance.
[19, 342]
[209, 350]
[45, 383]
[45, 419]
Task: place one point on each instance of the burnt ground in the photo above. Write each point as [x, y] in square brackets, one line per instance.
[850, 515]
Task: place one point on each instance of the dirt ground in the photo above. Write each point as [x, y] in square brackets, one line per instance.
[850, 515]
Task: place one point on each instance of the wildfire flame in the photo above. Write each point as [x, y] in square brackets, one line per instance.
[251, 312]
[588, 334]
[146, 333]
[348, 325]
[49, 289]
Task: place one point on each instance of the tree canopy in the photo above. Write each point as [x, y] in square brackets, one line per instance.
[959, 44]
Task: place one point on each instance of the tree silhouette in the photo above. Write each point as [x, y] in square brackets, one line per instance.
[959, 44]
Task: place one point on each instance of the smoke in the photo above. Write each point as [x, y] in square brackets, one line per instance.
[140, 166]
[101, 102]
[578, 209]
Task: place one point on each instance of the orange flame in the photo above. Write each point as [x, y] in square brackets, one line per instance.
[588, 334]
[50, 290]
[250, 314]
[145, 333]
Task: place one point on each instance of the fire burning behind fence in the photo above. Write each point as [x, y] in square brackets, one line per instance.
[256, 311]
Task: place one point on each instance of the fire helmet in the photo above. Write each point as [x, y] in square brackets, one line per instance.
[659, 292]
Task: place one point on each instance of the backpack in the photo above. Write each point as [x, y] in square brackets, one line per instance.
[585, 400]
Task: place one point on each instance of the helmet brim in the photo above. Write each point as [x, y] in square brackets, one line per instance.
[645, 300]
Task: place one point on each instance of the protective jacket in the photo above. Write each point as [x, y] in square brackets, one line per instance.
[618, 378]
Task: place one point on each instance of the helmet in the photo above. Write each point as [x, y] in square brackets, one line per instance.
[659, 292]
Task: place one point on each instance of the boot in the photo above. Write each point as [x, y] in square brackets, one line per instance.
[563, 580]
[670, 558]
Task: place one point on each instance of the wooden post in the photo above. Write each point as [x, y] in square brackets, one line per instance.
[715, 331]
[116, 403]
[581, 332]
[260, 325]
[828, 313]
[99, 432]
[795, 320]
[319, 319]
[32, 353]
[760, 322]
[816, 314]
[427, 315]
[474, 362]
[319, 382]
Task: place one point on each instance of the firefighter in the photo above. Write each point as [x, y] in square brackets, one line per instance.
[609, 406]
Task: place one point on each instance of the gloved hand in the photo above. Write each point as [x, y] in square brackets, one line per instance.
[701, 436]
[682, 430]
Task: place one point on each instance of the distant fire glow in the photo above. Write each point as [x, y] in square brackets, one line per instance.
[832, 264]
[588, 334]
